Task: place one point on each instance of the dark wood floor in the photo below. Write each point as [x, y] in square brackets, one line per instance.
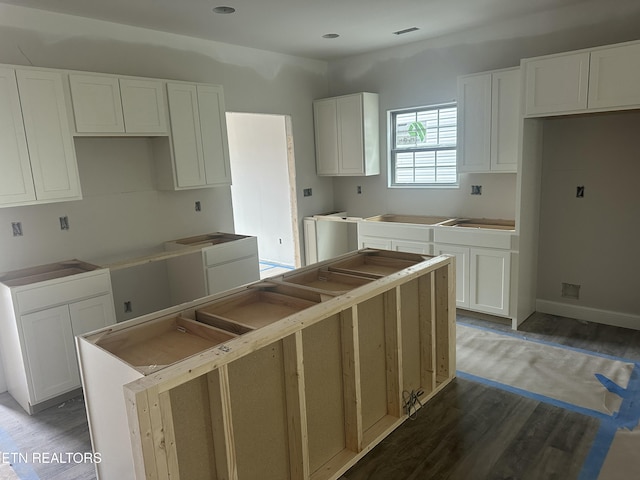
[59, 430]
[474, 432]
[469, 432]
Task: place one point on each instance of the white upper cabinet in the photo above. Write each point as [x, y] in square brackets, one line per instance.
[108, 104]
[16, 182]
[143, 106]
[598, 80]
[50, 144]
[213, 128]
[488, 119]
[474, 123]
[96, 103]
[325, 116]
[347, 135]
[614, 77]
[556, 84]
[199, 136]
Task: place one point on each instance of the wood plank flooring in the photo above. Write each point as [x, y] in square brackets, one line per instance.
[469, 432]
[58, 430]
[475, 432]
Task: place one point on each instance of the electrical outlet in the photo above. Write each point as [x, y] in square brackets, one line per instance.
[198, 206]
[307, 192]
[476, 189]
[359, 189]
[127, 307]
[64, 223]
[580, 191]
[16, 227]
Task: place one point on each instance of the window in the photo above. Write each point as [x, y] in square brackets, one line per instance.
[423, 146]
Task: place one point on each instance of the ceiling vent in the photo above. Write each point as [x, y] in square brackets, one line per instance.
[406, 30]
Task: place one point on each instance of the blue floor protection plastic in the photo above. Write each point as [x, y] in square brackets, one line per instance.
[627, 417]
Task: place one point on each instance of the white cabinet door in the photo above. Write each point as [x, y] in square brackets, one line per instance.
[213, 128]
[51, 149]
[556, 84]
[51, 359]
[143, 106]
[350, 135]
[614, 77]
[232, 274]
[462, 270]
[490, 277]
[505, 120]
[16, 182]
[186, 135]
[488, 121]
[474, 123]
[347, 135]
[92, 314]
[96, 103]
[325, 115]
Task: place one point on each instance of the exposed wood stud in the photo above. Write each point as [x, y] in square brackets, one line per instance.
[393, 350]
[222, 424]
[296, 406]
[351, 379]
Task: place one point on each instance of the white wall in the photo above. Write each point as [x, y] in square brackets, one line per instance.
[425, 73]
[591, 241]
[261, 191]
[121, 209]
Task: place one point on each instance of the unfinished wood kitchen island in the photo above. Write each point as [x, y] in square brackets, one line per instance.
[294, 377]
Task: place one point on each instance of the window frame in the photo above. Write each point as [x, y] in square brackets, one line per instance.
[392, 151]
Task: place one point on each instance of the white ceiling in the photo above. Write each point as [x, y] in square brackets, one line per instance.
[296, 26]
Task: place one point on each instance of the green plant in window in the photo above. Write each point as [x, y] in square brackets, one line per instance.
[417, 130]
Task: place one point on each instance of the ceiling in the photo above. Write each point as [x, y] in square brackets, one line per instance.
[296, 27]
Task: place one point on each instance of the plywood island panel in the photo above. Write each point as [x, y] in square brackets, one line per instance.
[294, 377]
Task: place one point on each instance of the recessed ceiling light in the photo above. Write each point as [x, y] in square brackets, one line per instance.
[224, 10]
[406, 30]
[330, 35]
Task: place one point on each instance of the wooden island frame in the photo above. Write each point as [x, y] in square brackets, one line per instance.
[294, 377]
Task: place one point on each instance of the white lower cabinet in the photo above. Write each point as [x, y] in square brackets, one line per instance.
[462, 270]
[232, 264]
[51, 363]
[483, 278]
[49, 343]
[226, 276]
[218, 266]
[39, 321]
[489, 280]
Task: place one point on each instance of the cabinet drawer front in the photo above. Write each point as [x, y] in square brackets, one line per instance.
[231, 251]
[63, 292]
[473, 237]
[395, 231]
[232, 274]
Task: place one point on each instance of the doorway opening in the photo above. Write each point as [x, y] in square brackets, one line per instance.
[263, 190]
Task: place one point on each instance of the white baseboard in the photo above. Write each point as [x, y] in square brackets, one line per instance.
[588, 314]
